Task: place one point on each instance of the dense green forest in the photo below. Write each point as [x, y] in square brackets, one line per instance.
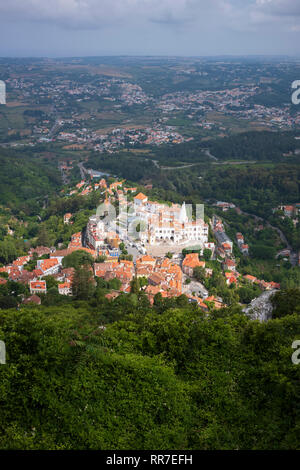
[255, 188]
[125, 165]
[25, 178]
[167, 377]
[255, 146]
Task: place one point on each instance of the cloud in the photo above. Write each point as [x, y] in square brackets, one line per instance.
[97, 13]
[282, 15]
[92, 14]
[206, 15]
[279, 7]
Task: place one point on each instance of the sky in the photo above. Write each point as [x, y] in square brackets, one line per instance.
[61, 28]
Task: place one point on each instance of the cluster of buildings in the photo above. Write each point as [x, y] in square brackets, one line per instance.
[48, 263]
[120, 137]
[261, 283]
[162, 275]
[83, 188]
[231, 102]
[224, 243]
[132, 94]
[117, 92]
[151, 222]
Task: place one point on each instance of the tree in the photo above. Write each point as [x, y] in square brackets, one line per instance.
[262, 251]
[8, 302]
[135, 286]
[286, 303]
[77, 259]
[125, 375]
[207, 254]
[199, 273]
[143, 281]
[51, 282]
[248, 293]
[114, 284]
[44, 238]
[122, 246]
[83, 284]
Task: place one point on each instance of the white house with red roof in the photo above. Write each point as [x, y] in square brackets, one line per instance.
[48, 266]
[38, 287]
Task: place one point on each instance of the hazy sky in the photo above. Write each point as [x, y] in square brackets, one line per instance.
[149, 27]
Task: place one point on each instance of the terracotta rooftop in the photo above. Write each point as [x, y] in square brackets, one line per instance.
[140, 196]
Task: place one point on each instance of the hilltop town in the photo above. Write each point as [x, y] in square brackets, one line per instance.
[150, 246]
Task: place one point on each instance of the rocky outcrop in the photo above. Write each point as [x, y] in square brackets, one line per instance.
[261, 308]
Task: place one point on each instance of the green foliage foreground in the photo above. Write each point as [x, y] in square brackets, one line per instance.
[157, 378]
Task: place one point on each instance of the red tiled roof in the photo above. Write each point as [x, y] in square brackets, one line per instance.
[38, 285]
[48, 263]
[192, 261]
[35, 299]
[140, 196]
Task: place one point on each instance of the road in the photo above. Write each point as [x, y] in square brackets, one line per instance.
[208, 154]
[217, 162]
[245, 162]
[132, 251]
[82, 170]
[155, 163]
[194, 287]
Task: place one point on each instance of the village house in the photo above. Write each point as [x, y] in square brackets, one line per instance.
[76, 240]
[61, 254]
[227, 247]
[229, 265]
[65, 288]
[123, 270]
[116, 185]
[21, 261]
[217, 304]
[33, 299]
[250, 278]
[240, 238]
[38, 287]
[199, 302]
[49, 266]
[130, 190]
[225, 206]
[190, 262]
[146, 260]
[289, 211]
[230, 278]
[140, 199]
[245, 249]
[210, 246]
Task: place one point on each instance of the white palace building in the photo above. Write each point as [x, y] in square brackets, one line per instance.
[161, 223]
